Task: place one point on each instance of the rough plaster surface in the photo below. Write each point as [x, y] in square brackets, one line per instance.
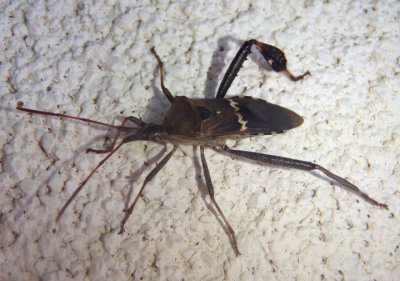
[92, 60]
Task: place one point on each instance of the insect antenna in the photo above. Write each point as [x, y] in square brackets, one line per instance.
[34, 111]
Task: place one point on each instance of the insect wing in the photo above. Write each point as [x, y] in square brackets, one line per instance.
[265, 117]
[245, 115]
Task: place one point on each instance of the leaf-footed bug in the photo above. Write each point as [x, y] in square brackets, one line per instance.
[209, 123]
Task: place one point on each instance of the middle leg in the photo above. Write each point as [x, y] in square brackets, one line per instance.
[210, 188]
[166, 92]
[148, 178]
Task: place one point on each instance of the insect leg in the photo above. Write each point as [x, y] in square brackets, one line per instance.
[66, 204]
[149, 177]
[166, 92]
[274, 56]
[79, 188]
[277, 60]
[119, 129]
[210, 188]
[302, 165]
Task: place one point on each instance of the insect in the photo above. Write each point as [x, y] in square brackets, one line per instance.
[209, 123]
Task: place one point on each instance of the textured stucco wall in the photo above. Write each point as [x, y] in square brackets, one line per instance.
[93, 60]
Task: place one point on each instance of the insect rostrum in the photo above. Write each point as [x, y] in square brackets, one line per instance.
[209, 123]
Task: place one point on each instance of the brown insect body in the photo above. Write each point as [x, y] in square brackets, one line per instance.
[208, 123]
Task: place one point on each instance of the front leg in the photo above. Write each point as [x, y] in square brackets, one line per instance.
[274, 56]
[119, 130]
[302, 165]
